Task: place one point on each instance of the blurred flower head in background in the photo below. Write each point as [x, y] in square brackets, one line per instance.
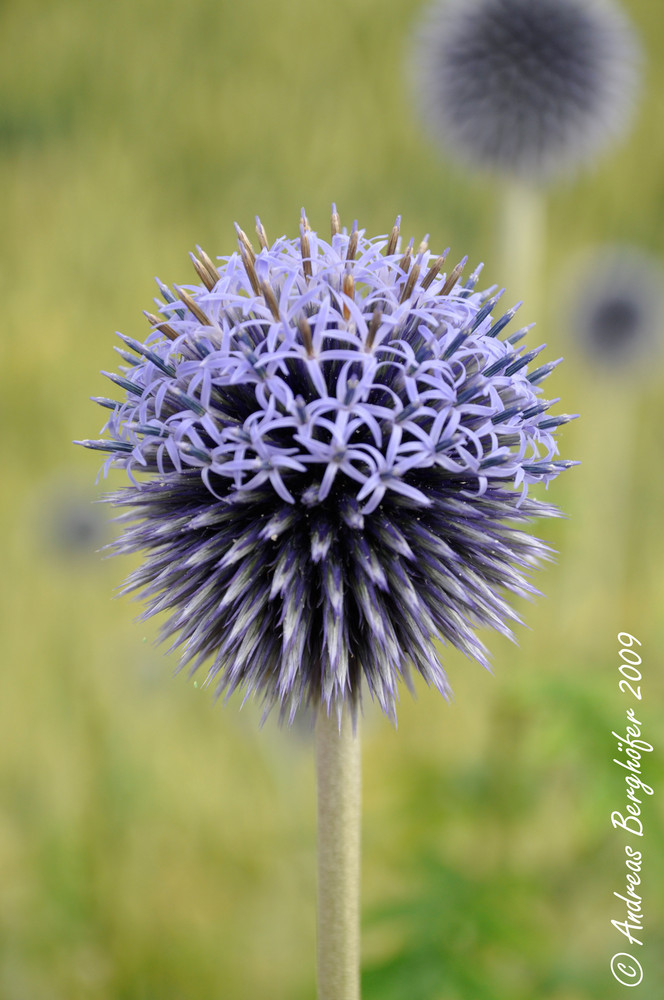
[527, 88]
[338, 448]
[614, 307]
[71, 523]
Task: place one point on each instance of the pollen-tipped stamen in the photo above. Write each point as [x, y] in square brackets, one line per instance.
[270, 299]
[374, 324]
[262, 235]
[160, 325]
[250, 269]
[393, 241]
[305, 249]
[410, 283]
[243, 240]
[335, 221]
[202, 272]
[351, 250]
[453, 277]
[405, 262]
[434, 270]
[192, 306]
[305, 333]
[348, 288]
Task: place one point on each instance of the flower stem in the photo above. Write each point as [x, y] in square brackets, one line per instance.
[523, 246]
[338, 779]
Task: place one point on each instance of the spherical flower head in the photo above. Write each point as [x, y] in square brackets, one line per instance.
[527, 88]
[330, 449]
[615, 308]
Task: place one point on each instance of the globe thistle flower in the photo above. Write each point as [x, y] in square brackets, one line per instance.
[527, 89]
[330, 449]
[614, 308]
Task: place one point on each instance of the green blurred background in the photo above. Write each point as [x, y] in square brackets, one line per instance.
[154, 844]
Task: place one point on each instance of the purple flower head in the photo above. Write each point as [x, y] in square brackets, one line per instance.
[527, 88]
[330, 449]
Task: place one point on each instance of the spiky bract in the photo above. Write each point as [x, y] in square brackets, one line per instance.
[337, 446]
[528, 88]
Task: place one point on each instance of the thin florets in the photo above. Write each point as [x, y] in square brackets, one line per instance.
[335, 448]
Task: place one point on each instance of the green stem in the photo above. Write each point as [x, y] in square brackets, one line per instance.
[338, 778]
[522, 247]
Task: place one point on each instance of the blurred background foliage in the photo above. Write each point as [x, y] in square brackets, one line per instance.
[152, 843]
